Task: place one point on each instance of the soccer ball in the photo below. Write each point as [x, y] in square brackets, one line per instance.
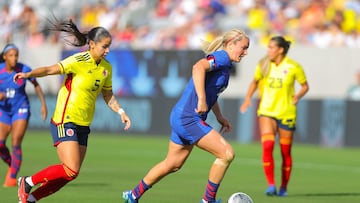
[240, 197]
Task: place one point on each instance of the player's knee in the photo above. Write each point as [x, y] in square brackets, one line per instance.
[70, 174]
[226, 159]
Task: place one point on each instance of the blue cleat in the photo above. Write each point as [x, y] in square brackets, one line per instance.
[271, 190]
[128, 197]
[204, 201]
[282, 192]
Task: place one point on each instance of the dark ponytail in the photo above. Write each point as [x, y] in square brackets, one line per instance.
[81, 38]
[281, 42]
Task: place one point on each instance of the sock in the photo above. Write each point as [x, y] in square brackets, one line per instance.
[211, 190]
[29, 181]
[48, 188]
[31, 198]
[4, 153]
[286, 164]
[52, 173]
[140, 189]
[16, 159]
[268, 142]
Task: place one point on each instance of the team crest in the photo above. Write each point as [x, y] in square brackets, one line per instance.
[105, 73]
[69, 132]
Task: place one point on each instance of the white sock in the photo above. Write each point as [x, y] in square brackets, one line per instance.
[29, 181]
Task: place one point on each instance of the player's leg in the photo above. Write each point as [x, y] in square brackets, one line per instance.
[50, 187]
[17, 134]
[5, 128]
[268, 129]
[71, 155]
[214, 143]
[4, 150]
[286, 139]
[5, 153]
[175, 158]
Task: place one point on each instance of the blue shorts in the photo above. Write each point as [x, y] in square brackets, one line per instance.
[187, 131]
[69, 132]
[8, 117]
[284, 123]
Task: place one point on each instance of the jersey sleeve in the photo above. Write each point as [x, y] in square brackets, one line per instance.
[218, 59]
[66, 65]
[300, 74]
[108, 81]
[258, 73]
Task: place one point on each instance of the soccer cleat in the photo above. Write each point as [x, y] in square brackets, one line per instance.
[204, 201]
[271, 190]
[9, 181]
[23, 190]
[282, 192]
[128, 197]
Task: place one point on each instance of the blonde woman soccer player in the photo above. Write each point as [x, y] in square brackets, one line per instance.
[210, 76]
[277, 108]
[87, 74]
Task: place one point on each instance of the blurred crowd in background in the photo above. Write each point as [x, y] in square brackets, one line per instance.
[182, 24]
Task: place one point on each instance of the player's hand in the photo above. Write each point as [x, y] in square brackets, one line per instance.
[19, 76]
[245, 105]
[125, 119]
[225, 125]
[201, 107]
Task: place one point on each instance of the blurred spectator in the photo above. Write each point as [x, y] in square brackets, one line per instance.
[185, 23]
[6, 21]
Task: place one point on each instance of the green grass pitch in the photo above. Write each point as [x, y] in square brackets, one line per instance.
[117, 162]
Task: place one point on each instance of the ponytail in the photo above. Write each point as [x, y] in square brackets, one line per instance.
[219, 42]
[81, 38]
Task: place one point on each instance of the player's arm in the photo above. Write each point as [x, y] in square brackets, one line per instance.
[198, 74]
[114, 105]
[225, 124]
[41, 96]
[303, 90]
[251, 90]
[39, 72]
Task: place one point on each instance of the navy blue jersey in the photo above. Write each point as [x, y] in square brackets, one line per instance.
[15, 92]
[216, 81]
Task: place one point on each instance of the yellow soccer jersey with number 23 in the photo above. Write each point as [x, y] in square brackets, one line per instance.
[83, 82]
[278, 89]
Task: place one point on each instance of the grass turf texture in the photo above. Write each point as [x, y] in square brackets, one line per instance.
[117, 162]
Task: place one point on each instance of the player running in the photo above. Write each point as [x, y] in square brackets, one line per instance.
[210, 77]
[87, 74]
[14, 110]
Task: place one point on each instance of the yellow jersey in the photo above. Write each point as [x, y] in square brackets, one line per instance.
[278, 88]
[83, 82]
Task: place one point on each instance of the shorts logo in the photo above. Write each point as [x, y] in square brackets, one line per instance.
[69, 132]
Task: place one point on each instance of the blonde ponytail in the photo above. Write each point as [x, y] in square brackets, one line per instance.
[219, 42]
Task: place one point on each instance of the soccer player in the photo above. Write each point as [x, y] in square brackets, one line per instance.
[210, 77]
[87, 74]
[14, 110]
[277, 74]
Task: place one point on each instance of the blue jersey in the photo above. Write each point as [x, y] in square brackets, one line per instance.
[216, 81]
[185, 122]
[15, 92]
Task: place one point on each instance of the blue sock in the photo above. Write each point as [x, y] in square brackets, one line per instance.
[4, 153]
[140, 189]
[16, 159]
[211, 190]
